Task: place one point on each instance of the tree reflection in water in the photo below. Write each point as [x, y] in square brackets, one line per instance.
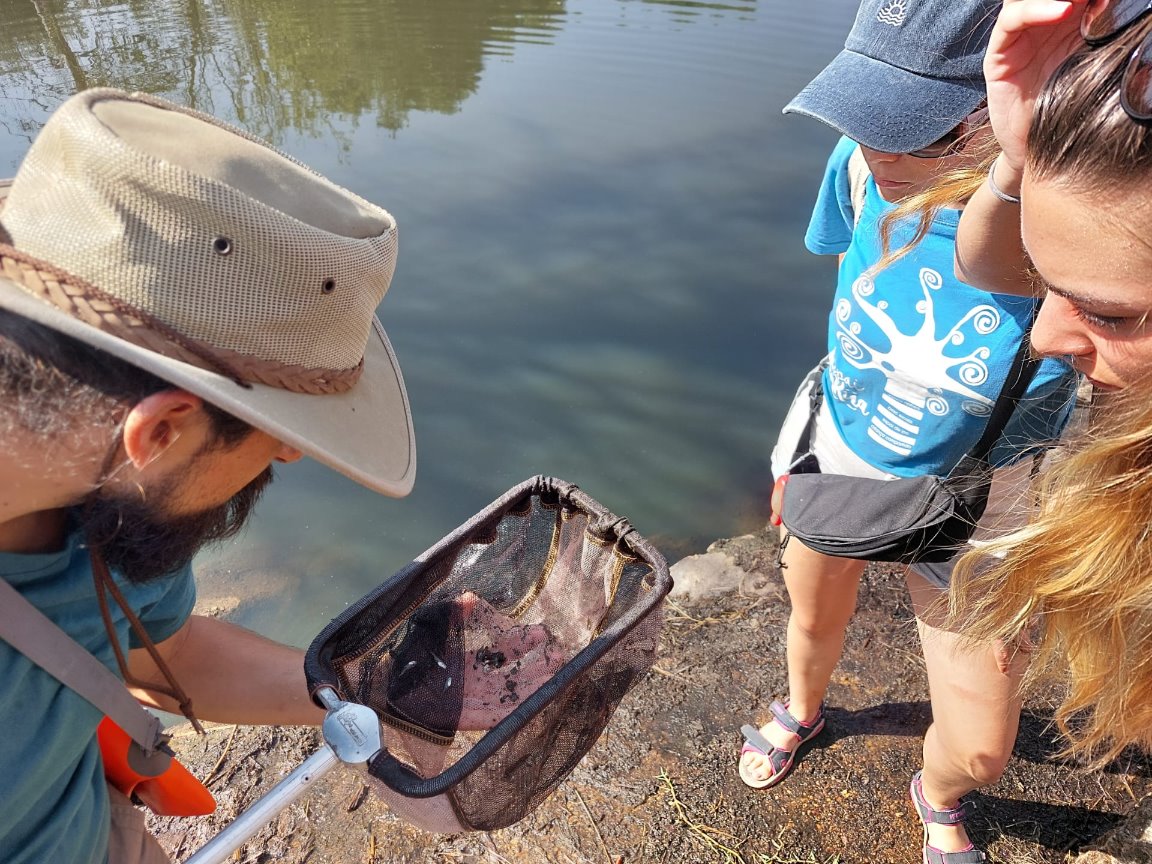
[270, 66]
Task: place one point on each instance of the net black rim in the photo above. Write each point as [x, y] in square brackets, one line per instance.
[394, 773]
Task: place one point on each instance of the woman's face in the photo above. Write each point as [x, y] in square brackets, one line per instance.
[1095, 255]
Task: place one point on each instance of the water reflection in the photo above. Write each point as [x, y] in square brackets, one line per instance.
[270, 66]
[697, 7]
[601, 211]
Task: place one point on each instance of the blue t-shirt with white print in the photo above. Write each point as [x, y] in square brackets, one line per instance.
[54, 795]
[917, 357]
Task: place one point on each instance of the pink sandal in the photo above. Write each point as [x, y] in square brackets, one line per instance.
[951, 816]
[781, 760]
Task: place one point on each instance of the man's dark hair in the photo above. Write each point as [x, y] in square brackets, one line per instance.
[49, 382]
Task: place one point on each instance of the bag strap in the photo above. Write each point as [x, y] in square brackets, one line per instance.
[42, 641]
[815, 400]
[1020, 375]
[858, 174]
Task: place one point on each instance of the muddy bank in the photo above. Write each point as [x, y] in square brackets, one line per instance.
[661, 785]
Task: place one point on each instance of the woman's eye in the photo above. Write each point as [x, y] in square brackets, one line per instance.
[1105, 322]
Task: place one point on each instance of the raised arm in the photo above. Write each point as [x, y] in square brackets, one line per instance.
[1031, 38]
[989, 251]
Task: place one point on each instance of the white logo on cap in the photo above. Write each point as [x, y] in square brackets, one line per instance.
[894, 13]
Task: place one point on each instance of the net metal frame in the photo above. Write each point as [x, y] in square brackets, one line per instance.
[619, 650]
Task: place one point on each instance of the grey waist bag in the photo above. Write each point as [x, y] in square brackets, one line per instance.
[908, 519]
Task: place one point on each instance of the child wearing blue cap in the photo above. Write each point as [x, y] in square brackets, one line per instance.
[916, 361]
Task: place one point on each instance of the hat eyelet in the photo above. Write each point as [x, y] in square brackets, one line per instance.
[222, 246]
[328, 286]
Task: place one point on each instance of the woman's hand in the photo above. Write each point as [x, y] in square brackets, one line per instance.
[1031, 38]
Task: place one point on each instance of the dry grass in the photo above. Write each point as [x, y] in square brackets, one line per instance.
[713, 839]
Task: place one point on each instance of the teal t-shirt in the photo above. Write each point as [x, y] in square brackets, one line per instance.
[917, 358]
[55, 802]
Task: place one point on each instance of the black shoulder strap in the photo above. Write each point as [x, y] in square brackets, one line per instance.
[815, 399]
[1020, 375]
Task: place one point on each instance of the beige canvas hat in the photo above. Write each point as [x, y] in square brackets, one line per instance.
[203, 255]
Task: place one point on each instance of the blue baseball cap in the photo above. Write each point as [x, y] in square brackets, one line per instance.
[910, 71]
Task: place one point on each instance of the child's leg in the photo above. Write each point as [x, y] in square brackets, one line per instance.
[975, 711]
[823, 595]
[822, 589]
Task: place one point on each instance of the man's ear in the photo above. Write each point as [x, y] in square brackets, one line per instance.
[157, 422]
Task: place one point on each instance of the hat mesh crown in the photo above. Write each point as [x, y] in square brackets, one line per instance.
[244, 249]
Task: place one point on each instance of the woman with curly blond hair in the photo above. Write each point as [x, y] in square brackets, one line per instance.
[1070, 98]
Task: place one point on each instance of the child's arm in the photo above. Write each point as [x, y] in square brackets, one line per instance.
[832, 223]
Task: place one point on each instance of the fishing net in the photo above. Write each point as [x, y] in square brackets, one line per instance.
[495, 659]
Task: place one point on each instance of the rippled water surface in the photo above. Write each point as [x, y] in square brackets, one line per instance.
[601, 273]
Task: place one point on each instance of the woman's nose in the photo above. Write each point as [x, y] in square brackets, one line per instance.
[1059, 331]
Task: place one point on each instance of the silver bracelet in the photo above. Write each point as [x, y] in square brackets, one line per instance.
[996, 190]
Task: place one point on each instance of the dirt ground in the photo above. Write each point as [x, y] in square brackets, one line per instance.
[661, 785]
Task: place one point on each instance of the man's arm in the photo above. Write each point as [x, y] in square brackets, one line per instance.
[989, 251]
[231, 674]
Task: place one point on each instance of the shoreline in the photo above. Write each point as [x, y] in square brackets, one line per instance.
[661, 785]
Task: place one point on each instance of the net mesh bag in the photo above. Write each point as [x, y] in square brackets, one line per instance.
[495, 659]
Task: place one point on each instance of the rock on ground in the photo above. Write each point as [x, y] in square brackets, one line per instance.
[660, 787]
[1128, 843]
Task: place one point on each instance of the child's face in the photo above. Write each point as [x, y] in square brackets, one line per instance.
[900, 175]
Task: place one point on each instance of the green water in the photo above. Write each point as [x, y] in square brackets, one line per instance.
[601, 273]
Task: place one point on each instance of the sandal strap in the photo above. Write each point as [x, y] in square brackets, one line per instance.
[951, 816]
[755, 740]
[785, 718]
[779, 759]
[928, 813]
[757, 743]
[968, 856]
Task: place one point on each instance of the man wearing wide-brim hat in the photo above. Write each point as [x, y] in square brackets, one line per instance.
[180, 307]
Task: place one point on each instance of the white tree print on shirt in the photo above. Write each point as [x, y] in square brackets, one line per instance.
[927, 375]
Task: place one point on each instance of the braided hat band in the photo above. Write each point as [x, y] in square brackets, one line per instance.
[89, 304]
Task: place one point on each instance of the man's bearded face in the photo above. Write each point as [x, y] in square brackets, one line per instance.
[139, 538]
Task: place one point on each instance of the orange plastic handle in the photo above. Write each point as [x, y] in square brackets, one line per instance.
[173, 792]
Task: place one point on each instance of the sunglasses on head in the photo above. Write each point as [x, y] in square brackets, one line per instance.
[952, 142]
[1103, 21]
